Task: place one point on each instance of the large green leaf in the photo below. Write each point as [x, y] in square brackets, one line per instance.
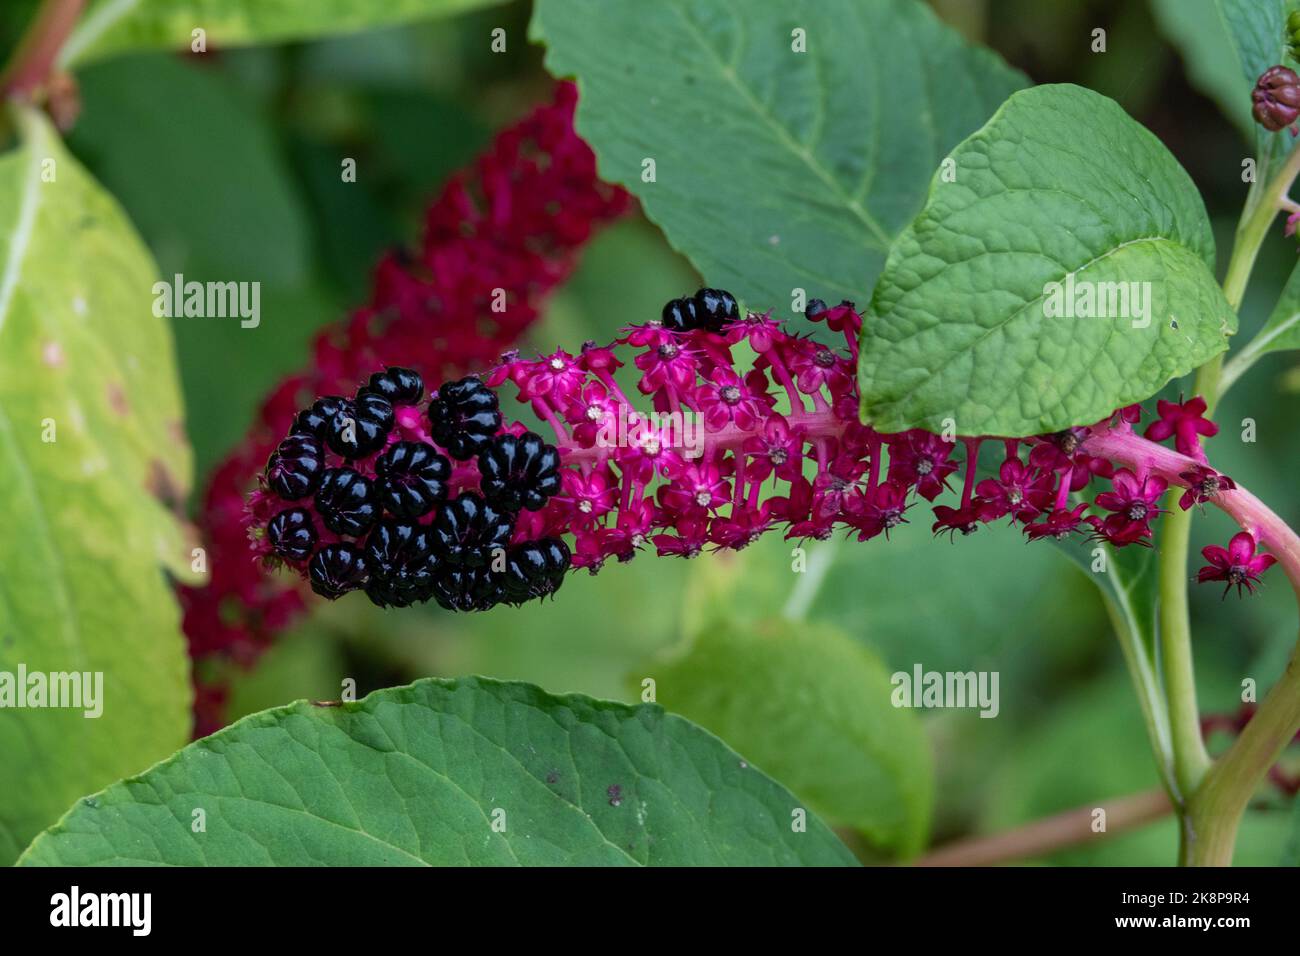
[110, 27]
[774, 169]
[811, 707]
[1227, 44]
[447, 772]
[87, 522]
[1060, 187]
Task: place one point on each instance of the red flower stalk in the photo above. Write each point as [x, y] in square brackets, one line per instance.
[740, 437]
[505, 231]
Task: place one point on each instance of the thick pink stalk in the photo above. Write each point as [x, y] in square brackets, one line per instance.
[1120, 444]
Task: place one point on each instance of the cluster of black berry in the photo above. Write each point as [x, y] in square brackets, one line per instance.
[708, 309]
[372, 505]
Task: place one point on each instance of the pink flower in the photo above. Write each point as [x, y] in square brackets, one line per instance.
[557, 377]
[778, 449]
[590, 412]
[1019, 491]
[1186, 422]
[728, 399]
[1203, 484]
[880, 511]
[815, 367]
[1059, 524]
[667, 362]
[697, 488]
[921, 458]
[1237, 564]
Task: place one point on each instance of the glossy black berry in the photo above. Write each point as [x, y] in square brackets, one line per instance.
[360, 428]
[295, 468]
[468, 530]
[715, 308]
[465, 589]
[400, 563]
[519, 471]
[464, 416]
[317, 419]
[292, 534]
[814, 308]
[347, 502]
[681, 315]
[399, 386]
[534, 569]
[412, 478]
[337, 569]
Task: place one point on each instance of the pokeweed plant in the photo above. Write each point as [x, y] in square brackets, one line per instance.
[1016, 274]
[1043, 292]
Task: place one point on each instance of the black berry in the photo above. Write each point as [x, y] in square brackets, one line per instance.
[337, 569]
[294, 470]
[681, 315]
[465, 589]
[412, 478]
[347, 502]
[534, 569]
[519, 471]
[319, 418]
[400, 563]
[814, 308]
[360, 427]
[464, 416]
[292, 534]
[468, 530]
[716, 307]
[399, 386]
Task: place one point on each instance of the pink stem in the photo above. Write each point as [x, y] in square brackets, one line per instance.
[1248, 511]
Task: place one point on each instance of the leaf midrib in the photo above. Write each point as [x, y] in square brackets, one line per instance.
[783, 134]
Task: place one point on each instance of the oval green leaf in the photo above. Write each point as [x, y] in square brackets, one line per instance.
[1061, 268]
[447, 772]
[791, 142]
[94, 459]
[812, 707]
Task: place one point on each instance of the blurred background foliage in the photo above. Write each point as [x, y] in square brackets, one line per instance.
[229, 165]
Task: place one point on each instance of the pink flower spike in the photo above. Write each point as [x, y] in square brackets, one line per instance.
[1238, 564]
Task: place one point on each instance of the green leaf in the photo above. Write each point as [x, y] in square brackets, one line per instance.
[811, 707]
[420, 774]
[1227, 44]
[88, 525]
[774, 169]
[110, 27]
[1060, 186]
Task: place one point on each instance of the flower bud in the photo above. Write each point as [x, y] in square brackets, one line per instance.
[1276, 98]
